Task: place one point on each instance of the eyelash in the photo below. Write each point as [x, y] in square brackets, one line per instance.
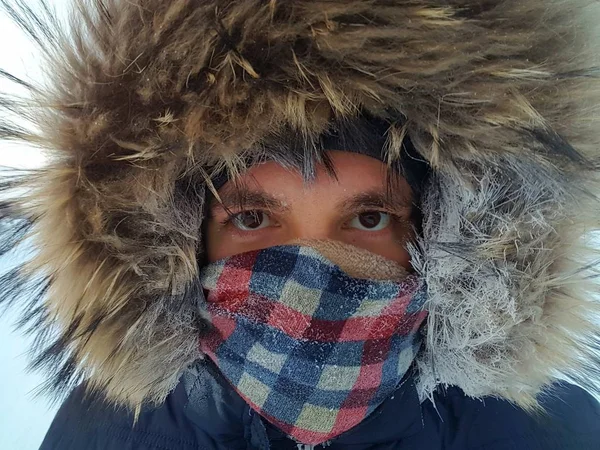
[231, 216]
[395, 216]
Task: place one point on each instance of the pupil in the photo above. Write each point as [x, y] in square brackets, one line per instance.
[370, 219]
[252, 219]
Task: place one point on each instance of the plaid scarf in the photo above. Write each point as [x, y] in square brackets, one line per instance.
[311, 349]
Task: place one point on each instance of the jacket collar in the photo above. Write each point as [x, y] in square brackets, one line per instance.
[214, 406]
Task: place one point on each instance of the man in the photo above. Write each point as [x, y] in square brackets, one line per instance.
[273, 206]
[278, 225]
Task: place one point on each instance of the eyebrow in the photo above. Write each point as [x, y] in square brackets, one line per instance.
[377, 199]
[242, 197]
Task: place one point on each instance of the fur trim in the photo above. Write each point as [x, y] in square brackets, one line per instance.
[146, 99]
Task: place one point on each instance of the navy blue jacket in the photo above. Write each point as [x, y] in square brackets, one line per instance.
[204, 413]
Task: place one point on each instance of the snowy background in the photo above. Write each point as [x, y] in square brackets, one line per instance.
[24, 416]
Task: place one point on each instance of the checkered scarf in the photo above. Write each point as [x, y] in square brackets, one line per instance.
[311, 349]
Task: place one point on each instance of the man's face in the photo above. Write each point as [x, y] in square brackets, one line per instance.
[272, 205]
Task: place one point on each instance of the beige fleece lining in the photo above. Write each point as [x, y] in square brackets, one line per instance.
[357, 262]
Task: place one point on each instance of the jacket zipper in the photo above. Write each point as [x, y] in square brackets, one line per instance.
[301, 446]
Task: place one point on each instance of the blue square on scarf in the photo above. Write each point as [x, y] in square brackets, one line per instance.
[271, 271]
[277, 261]
[244, 336]
[261, 373]
[232, 353]
[346, 354]
[418, 300]
[390, 365]
[327, 398]
[277, 342]
[286, 409]
[293, 389]
[314, 352]
[346, 286]
[341, 297]
[231, 362]
[302, 368]
[336, 307]
[384, 389]
[267, 285]
[311, 272]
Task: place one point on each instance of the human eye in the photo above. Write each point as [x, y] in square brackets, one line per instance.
[250, 220]
[370, 221]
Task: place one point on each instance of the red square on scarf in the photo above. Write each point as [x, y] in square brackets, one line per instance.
[288, 320]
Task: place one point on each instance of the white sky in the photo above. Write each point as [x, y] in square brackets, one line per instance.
[24, 417]
[21, 59]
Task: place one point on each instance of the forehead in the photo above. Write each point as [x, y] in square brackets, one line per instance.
[353, 173]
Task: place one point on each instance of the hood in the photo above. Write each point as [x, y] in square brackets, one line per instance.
[144, 101]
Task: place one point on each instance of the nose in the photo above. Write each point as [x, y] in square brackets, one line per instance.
[309, 229]
[312, 221]
[308, 234]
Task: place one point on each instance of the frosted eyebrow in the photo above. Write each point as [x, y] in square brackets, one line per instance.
[377, 199]
[242, 197]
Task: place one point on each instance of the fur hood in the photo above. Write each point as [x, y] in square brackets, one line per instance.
[145, 100]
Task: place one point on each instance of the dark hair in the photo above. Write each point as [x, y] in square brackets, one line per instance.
[368, 135]
[364, 135]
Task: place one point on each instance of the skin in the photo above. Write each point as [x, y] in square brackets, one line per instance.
[270, 205]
